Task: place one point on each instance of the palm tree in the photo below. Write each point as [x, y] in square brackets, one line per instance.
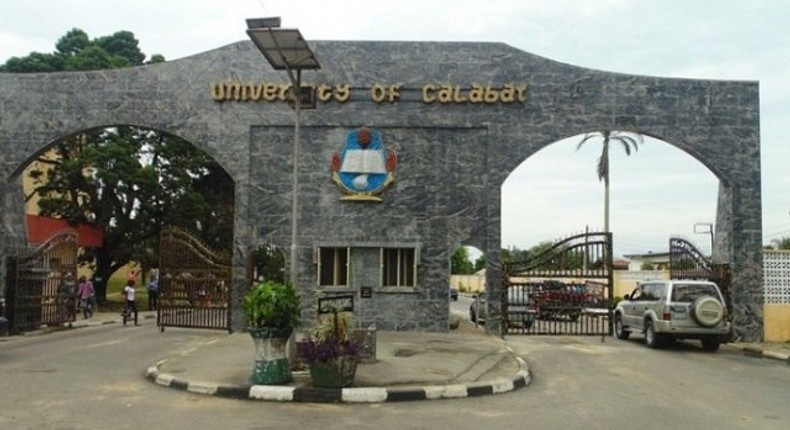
[628, 140]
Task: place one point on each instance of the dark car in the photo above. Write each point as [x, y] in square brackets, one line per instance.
[453, 294]
[518, 309]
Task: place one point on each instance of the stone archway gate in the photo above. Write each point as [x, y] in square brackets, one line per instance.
[461, 116]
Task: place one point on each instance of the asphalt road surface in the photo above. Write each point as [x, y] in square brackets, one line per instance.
[92, 378]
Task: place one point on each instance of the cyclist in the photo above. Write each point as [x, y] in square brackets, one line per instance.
[131, 305]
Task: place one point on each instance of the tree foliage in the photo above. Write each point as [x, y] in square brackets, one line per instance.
[480, 263]
[781, 243]
[460, 263]
[269, 264]
[76, 51]
[627, 141]
[131, 182]
[548, 255]
[128, 181]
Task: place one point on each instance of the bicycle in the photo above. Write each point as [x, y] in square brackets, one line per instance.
[126, 313]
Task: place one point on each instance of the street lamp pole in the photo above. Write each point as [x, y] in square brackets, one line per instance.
[705, 228]
[286, 49]
[296, 89]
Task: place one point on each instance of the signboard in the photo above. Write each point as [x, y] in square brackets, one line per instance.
[328, 305]
[366, 292]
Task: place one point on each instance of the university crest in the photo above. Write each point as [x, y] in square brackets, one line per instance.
[363, 168]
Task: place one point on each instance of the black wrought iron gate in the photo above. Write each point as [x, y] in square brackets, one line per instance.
[564, 290]
[687, 262]
[194, 283]
[41, 285]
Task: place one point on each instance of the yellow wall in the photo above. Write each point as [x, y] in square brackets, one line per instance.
[468, 283]
[776, 327]
[625, 280]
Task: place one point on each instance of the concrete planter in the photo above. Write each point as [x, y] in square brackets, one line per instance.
[338, 373]
[271, 366]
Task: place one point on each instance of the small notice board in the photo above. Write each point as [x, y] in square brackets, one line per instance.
[328, 305]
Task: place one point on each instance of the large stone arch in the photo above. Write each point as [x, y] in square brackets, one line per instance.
[454, 156]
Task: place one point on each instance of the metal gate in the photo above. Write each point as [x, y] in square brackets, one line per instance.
[194, 283]
[687, 262]
[41, 285]
[564, 290]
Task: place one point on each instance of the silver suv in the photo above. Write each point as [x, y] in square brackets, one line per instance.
[666, 310]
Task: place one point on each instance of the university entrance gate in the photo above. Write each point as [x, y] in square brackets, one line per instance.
[194, 283]
[461, 117]
[41, 285]
[564, 290]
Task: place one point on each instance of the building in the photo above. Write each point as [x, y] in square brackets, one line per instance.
[402, 161]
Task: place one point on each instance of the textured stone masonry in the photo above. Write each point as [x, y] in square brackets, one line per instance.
[453, 157]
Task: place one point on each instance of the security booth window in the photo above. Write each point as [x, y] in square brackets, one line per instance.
[398, 267]
[333, 266]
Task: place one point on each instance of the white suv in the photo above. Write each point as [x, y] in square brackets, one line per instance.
[676, 309]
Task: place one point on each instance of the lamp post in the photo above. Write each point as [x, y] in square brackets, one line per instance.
[705, 228]
[286, 49]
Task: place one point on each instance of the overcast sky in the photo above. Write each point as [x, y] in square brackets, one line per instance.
[657, 192]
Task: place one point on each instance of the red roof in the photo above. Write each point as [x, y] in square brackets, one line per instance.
[41, 228]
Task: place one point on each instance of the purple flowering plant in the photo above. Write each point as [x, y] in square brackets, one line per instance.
[330, 340]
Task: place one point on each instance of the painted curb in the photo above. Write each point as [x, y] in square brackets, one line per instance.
[276, 393]
[759, 353]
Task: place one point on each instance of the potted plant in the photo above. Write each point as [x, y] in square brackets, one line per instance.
[272, 310]
[330, 353]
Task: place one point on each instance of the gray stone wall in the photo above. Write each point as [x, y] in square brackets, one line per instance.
[453, 157]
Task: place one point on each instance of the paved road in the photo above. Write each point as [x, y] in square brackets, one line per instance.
[93, 379]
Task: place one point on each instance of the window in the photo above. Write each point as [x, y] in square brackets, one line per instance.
[399, 267]
[690, 292]
[333, 266]
[652, 292]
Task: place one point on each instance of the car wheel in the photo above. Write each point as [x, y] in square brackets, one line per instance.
[619, 331]
[652, 339]
[710, 343]
[707, 311]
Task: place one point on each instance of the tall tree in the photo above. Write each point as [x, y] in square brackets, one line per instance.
[480, 263]
[459, 262]
[128, 181]
[628, 141]
[781, 243]
[131, 182]
[75, 51]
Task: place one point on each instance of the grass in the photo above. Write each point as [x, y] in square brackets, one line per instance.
[115, 301]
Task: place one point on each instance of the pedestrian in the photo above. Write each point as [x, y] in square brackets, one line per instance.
[153, 292]
[67, 294]
[87, 295]
[131, 305]
[133, 276]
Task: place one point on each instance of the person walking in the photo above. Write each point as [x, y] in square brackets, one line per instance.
[67, 294]
[153, 292]
[87, 295]
[131, 305]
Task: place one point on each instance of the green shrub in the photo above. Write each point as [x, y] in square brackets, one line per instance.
[272, 304]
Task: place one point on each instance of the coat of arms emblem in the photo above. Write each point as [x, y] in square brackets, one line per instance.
[363, 168]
